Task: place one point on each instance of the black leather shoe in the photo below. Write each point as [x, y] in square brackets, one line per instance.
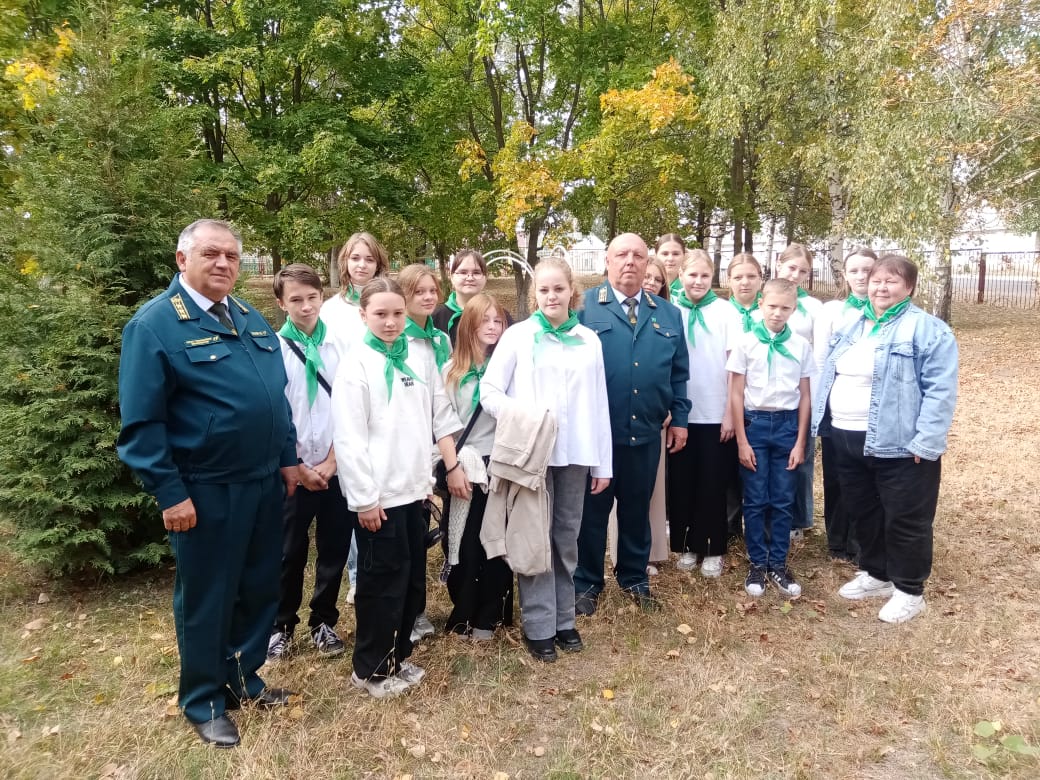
[585, 605]
[220, 732]
[569, 640]
[268, 699]
[541, 649]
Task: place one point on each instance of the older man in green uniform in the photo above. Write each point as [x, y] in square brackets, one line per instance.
[207, 428]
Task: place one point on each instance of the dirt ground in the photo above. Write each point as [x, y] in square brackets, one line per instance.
[714, 686]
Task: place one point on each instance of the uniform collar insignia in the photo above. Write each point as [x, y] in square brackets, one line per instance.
[241, 306]
[650, 301]
[603, 293]
[179, 307]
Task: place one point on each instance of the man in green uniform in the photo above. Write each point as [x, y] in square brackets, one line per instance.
[207, 428]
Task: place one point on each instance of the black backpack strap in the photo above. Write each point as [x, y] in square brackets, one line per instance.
[469, 427]
[303, 359]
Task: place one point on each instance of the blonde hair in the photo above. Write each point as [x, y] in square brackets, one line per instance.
[698, 256]
[378, 252]
[784, 286]
[795, 250]
[411, 275]
[469, 351]
[563, 267]
[744, 258]
[381, 284]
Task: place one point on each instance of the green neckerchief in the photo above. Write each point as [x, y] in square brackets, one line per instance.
[438, 339]
[352, 294]
[475, 374]
[395, 354]
[855, 302]
[696, 315]
[746, 312]
[560, 332]
[453, 304]
[313, 358]
[890, 314]
[801, 294]
[775, 343]
[675, 287]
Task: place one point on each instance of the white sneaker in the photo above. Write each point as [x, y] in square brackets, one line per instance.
[351, 594]
[380, 687]
[863, 586]
[712, 566]
[410, 673]
[797, 534]
[423, 627]
[652, 570]
[687, 562]
[482, 634]
[902, 607]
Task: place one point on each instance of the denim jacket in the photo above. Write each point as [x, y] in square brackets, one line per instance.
[914, 389]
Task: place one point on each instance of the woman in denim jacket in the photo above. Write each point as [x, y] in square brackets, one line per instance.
[886, 395]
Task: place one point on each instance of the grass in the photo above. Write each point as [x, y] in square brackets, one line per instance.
[754, 689]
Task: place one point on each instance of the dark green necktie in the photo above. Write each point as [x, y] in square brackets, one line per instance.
[631, 310]
[220, 311]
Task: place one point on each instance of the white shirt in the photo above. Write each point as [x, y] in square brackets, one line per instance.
[854, 377]
[569, 381]
[482, 437]
[832, 318]
[707, 387]
[201, 300]
[313, 421]
[771, 387]
[343, 319]
[383, 442]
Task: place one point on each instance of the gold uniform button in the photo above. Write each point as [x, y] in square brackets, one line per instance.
[636, 364]
[212, 357]
[633, 417]
[636, 392]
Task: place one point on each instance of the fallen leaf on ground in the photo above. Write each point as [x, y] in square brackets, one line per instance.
[683, 628]
[608, 694]
[43, 599]
[539, 751]
[30, 659]
[13, 736]
[417, 751]
[672, 654]
[35, 625]
[296, 713]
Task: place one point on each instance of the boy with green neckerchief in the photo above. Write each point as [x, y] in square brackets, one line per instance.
[311, 357]
[769, 398]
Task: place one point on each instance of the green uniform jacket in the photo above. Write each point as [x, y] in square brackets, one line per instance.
[200, 403]
[647, 364]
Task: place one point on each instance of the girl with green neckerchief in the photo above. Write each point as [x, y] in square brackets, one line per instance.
[833, 318]
[468, 274]
[670, 249]
[481, 589]
[744, 276]
[551, 362]
[421, 293]
[361, 260]
[388, 405]
[699, 474]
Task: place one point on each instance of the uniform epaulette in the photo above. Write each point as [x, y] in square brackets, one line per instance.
[603, 295]
[650, 302]
[241, 306]
[179, 307]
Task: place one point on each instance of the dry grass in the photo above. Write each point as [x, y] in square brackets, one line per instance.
[820, 690]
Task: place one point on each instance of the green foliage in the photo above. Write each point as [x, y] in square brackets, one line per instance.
[103, 188]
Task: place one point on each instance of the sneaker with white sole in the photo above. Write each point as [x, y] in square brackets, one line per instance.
[902, 607]
[711, 566]
[785, 582]
[863, 586]
[755, 582]
[687, 562]
[422, 628]
[380, 687]
[482, 634]
[279, 645]
[410, 673]
[351, 593]
[652, 571]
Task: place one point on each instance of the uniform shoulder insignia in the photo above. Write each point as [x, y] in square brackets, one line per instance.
[241, 306]
[202, 342]
[179, 307]
[650, 302]
[603, 295]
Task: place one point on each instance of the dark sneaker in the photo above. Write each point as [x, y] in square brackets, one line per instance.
[585, 605]
[785, 582]
[327, 641]
[647, 602]
[755, 582]
[279, 645]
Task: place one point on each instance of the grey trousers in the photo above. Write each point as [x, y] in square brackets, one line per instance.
[547, 599]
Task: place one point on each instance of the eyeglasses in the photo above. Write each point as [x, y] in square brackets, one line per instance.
[468, 274]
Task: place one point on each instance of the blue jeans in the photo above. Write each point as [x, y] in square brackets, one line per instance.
[769, 490]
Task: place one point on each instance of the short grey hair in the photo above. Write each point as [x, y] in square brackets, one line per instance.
[186, 240]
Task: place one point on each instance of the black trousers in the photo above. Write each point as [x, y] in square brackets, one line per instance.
[391, 589]
[892, 504]
[698, 478]
[481, 590]
[841, 536]
[333, 526]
